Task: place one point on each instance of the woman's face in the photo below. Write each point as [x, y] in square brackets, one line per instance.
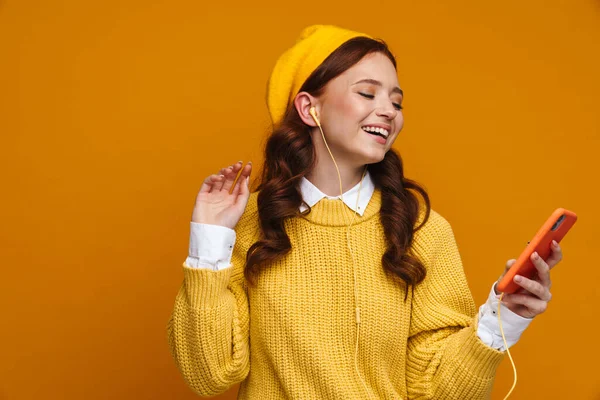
[364, 98]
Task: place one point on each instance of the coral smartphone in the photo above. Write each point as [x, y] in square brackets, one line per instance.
[555, 228]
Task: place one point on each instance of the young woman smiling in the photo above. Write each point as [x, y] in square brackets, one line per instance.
[335, 279]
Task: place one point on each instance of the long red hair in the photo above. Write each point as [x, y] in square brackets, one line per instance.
[290, 155]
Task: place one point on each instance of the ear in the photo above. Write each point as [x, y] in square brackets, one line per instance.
[303, 102]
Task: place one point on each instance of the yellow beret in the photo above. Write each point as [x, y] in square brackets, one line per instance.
[295, 65]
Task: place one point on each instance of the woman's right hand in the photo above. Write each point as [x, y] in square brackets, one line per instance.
[215, 205]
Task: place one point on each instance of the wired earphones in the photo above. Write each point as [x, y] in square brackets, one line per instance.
[313, 113]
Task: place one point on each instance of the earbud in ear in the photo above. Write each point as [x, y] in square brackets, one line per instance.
[313, 113]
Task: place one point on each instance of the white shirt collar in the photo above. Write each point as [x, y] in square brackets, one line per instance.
[312, 195]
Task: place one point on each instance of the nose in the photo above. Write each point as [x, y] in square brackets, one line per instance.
[388, 111]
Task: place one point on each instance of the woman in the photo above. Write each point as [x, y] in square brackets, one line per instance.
[280, 296]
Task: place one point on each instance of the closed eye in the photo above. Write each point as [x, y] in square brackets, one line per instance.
[370, 96]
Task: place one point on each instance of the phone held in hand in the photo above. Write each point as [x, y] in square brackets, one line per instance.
[555, 228]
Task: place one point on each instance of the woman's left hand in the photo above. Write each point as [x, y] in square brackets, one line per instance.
[533, 297]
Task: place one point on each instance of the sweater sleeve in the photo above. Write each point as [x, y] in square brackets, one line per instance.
[445, 357]
[208, 331]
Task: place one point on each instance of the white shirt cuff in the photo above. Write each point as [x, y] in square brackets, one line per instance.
[488, 329]
[210, 247]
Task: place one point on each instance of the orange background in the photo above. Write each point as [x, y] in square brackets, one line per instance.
[112, 113]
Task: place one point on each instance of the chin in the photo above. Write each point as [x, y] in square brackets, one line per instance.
[372, 153]
[373, 157]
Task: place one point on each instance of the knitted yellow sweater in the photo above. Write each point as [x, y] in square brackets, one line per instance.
[293, 336]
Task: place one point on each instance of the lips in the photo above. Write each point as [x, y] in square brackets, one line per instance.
[379, 138]
[378, 129]
[376, 133]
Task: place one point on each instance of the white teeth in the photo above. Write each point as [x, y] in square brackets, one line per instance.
[377, 130]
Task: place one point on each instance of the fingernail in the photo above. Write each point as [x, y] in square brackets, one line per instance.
[222, 176]
[498, 296]
[535, 255]
[518, 278]
[239, 162]
[555, 243]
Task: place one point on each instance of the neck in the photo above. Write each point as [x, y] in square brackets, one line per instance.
[324, 175]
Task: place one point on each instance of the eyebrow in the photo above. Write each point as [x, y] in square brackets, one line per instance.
[376, 82]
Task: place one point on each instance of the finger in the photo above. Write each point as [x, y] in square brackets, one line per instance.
[535, 305]
[237, 166]
[543, 270]
[209, 182]
[233, 172]
[509, 264]
[244, 174]
[556, 256]
[218, 185]
[218, 182]
[230, 175]
[533, 287]
[244, 192]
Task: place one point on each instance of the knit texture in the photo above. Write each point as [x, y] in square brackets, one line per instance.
[293, 335]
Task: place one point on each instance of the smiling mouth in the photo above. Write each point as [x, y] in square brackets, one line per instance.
[382, 140]
[384, 133]
[378, 134]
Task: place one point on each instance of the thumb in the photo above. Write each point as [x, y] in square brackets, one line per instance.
[509, 264]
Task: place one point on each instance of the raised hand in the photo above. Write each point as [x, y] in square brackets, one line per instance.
[217, 203]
